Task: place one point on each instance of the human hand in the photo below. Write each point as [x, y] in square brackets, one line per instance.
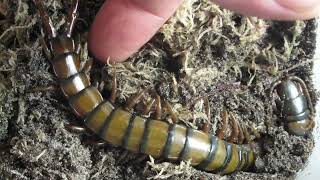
[122, 26]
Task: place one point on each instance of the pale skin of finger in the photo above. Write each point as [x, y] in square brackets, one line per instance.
[274, 9]
[123, 26]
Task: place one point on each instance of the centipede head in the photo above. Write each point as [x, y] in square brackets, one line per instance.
[58, 43]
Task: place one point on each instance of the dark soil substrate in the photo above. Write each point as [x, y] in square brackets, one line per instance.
[203, 50]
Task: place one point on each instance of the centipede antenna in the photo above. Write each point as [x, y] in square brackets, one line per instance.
[305, 90]
[273, 86]
[46, 20]
[72, 16]
[271, 98]
[114, 87]
[170, 110]
[223, 126]
[158, 107]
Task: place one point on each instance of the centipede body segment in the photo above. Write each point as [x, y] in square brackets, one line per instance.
[121, 127]
[295, 105]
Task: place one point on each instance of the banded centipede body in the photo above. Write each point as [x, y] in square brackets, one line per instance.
[121, 127]
[295, 105]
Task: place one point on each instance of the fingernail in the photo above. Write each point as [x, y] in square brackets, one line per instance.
[299, 5]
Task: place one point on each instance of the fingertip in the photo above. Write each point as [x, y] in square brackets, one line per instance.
[121, 27]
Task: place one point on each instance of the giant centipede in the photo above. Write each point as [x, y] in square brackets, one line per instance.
[121, 127]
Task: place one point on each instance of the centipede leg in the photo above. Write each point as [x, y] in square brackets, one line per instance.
[235, 129]
[95, 142]
[142, 158]
[147, 109]
[241, 135]
[122, 157]
[206, 126]
[72, 15]
[77, 40]
[170, 110]
[255, 133]
[75, 128]
[43, 88]
[114, 87]
[158, 107]
[46, 21]
[78, 129]
[45, 48]
[134, 100]
[87, 66]
[223, 126]
[246, 135]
